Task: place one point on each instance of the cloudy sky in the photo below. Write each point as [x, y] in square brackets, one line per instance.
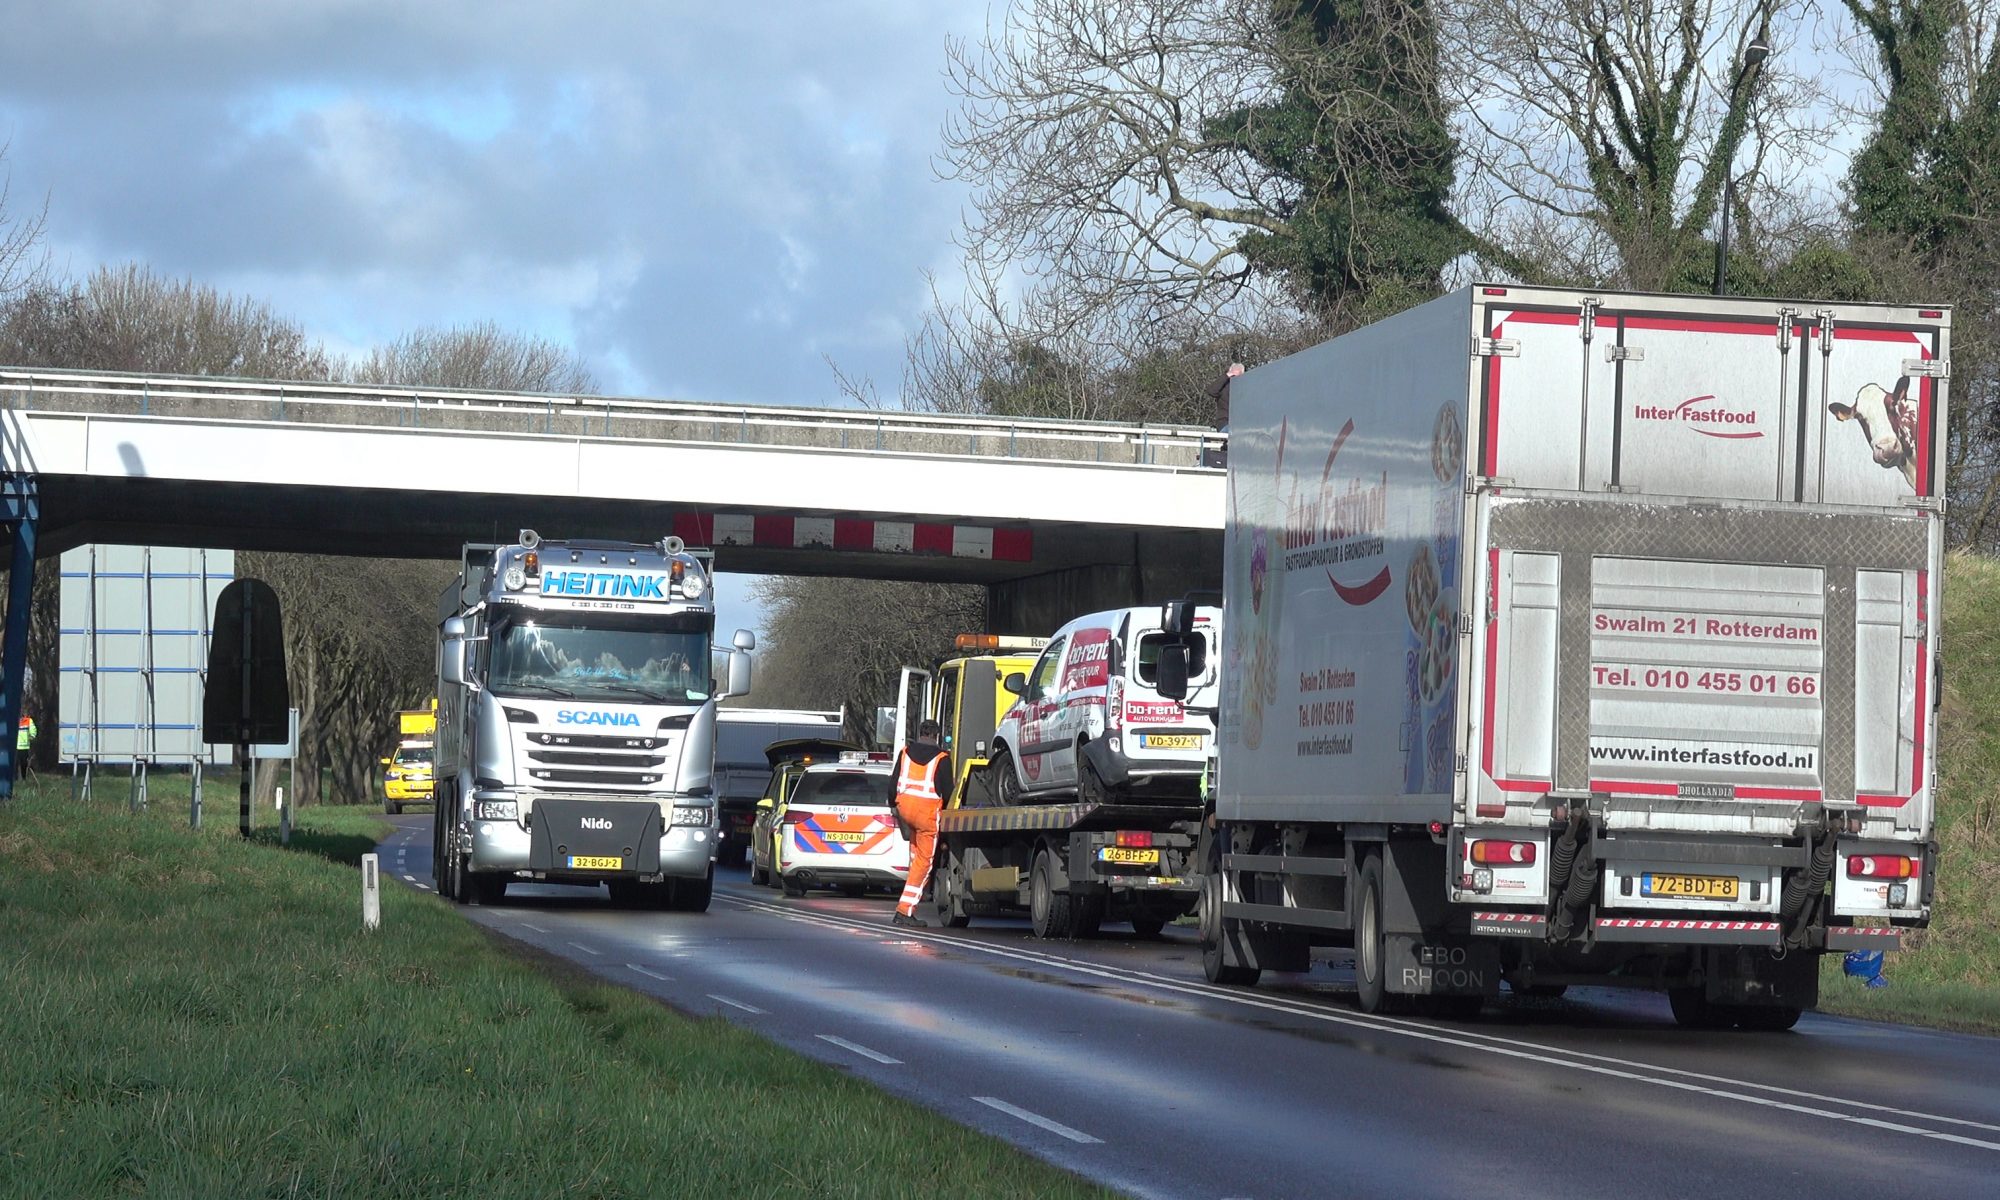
[705, 200]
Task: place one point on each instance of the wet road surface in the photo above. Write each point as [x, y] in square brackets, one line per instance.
[1114, 1057]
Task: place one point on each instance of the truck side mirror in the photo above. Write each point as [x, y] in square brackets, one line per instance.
[1172, 671]
[451, 661]
[744, 640]
[739, 672]
[1016, 683]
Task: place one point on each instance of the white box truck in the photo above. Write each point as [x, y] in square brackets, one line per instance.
[1577, 637]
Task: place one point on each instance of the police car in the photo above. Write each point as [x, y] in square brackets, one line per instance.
[838, 828]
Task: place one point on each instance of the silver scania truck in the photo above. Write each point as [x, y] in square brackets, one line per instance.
[576, 721]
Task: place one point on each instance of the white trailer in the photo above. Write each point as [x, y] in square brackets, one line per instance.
[1579, 637]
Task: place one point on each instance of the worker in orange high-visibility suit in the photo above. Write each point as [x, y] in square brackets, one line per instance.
[920, 768]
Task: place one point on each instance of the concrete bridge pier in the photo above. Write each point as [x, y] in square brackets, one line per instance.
[1163, 566]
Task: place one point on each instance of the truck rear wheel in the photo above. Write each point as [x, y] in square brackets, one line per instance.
[952, 892]
[485, 888]
[1148, 927]
[1692, 1009]
[1052, 913]
[1371, 967]
[1765, 1018]
[1208, 911]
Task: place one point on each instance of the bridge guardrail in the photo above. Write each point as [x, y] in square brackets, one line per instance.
[1177, 447]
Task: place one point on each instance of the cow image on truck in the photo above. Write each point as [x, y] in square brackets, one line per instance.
[576, 721]
[1080, 804]
[1581, 638]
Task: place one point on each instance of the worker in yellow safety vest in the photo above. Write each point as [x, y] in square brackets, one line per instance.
[920, 766]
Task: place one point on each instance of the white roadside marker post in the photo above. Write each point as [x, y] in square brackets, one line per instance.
[284, 820]
[371, 892]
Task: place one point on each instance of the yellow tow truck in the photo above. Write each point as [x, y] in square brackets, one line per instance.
[410, 774]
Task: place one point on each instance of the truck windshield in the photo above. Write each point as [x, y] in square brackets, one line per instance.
[414, 756]
[603, 656]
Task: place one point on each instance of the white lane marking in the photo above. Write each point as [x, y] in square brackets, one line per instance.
[582, 947]
[749, 1008]
[1495, 1044]
[649, 974]
[425, 886]
[533, 926]
[863, 1051]
[411, 878]
[1055, 1127]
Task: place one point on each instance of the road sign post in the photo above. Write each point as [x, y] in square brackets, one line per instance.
[248, 699]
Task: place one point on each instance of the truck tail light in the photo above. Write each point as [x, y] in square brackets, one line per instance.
[1141, 839]
[1504, 854]
[1881, 866]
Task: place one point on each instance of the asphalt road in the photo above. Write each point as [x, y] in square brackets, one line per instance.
[1114, 1058]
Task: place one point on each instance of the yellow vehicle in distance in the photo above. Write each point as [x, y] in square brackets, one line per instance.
[411, 776]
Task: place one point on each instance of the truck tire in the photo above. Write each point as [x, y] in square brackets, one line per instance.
[1371, 967]
[691, 895]
[952, 893]
[392, 808]
[1692, 1009]
[1148, 927]
[1208, 913]
[1006, 787]
[1052, 913]
[1765, 1018]
[1090, 786]
[486, 889]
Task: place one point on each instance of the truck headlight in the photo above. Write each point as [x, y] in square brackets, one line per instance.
[495, 810]
[693, 585]
[515, 578]
[692, 814]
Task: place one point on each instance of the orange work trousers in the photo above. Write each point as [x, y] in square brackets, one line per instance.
[921, 817]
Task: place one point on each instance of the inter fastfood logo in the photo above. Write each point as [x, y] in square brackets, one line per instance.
[1343, 522]
[1707, 415]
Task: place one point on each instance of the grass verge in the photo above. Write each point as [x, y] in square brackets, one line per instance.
[189, 1014]
[1950, 975]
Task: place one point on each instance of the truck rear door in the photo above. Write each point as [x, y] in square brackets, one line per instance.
[1709, 558]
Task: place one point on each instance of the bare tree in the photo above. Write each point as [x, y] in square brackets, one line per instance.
[480, 356]
[1176, 153]
[21, 256]
[841, 642]
[1603, 135]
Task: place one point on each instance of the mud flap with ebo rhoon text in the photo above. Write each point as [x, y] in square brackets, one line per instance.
[1415, 965]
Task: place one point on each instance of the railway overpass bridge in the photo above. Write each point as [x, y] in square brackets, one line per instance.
[1052, 517]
